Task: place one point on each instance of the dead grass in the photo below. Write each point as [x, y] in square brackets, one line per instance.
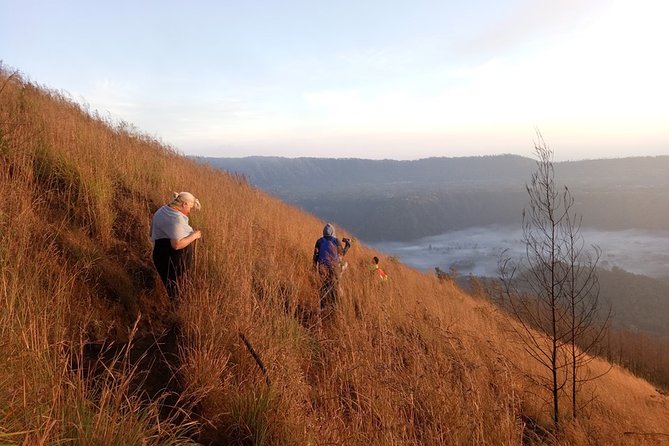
[410, 361]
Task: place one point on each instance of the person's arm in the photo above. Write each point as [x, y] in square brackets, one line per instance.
[315, 258]
[182, 243]
[347, 244]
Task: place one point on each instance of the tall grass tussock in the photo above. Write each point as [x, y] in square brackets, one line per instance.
[90, 354]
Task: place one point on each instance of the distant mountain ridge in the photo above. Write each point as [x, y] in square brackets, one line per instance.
[269, 172]
[300, 176]
[403, 200]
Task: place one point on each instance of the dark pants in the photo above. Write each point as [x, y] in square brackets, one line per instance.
[329, 286]
[171, 264]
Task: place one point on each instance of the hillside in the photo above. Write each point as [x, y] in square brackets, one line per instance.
[390, 200]
[640, 303]
[90, 354]
[316, 176]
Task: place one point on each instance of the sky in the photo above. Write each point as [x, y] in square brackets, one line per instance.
[365, 79]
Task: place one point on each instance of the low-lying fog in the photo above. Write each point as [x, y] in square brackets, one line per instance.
[477, 250]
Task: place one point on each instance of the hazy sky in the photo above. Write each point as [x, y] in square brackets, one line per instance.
[370, 79]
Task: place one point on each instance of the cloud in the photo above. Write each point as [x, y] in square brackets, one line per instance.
[516, 25]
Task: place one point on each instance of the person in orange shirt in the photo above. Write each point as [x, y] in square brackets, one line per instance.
[377, 269]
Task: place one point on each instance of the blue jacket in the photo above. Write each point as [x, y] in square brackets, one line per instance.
[327, 251]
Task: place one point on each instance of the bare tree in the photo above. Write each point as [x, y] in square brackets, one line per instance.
[586, 324]
[551, 292]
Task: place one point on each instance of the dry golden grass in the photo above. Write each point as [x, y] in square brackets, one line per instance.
[411, 361]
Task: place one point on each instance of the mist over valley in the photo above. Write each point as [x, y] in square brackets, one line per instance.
[476, 251]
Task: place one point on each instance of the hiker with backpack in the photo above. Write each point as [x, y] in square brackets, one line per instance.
[173, 240]
[327, 261]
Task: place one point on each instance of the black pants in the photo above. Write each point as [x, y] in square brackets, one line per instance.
[171, 264]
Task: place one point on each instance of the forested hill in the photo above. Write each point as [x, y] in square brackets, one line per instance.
[304, 177]
[404, 200]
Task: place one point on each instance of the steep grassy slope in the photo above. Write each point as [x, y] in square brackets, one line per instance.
[89, 355]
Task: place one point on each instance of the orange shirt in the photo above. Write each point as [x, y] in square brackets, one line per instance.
[382, 274]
